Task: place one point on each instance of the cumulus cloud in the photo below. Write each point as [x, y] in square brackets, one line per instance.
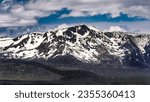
[75, 14]
[139, 26]
[17, 14]
[115, 29]
[113, 7]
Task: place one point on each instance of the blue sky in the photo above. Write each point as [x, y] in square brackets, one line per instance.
[100, 13]
[55, 18]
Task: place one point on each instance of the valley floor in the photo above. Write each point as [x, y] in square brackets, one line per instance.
[33, 73]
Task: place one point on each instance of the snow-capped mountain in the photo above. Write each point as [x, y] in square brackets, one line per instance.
[85, 43]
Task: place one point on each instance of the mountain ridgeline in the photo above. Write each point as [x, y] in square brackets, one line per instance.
[80, 44]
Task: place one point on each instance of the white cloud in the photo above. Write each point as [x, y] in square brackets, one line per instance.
[139, 26]
[113, 7]
[115, 29]
[61, 26]
[19, 15]
[75, 14]
[91, 8]
[12, 14]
